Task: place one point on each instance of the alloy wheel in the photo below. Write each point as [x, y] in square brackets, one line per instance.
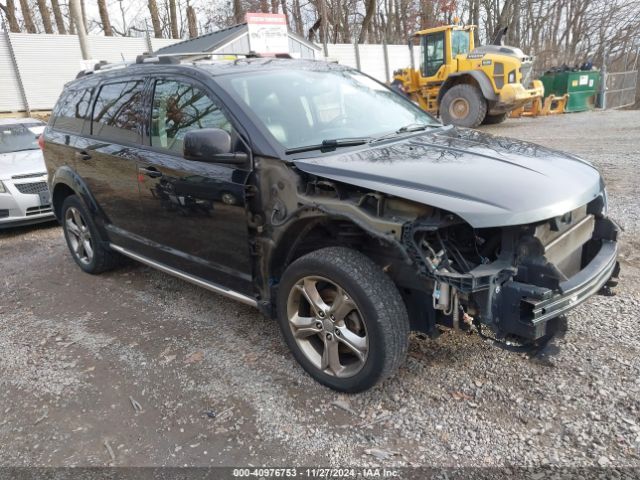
[79, 235]
[328, 326]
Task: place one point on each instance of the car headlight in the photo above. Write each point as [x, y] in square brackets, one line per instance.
[2, 188]
[512, 77]
[605, 201]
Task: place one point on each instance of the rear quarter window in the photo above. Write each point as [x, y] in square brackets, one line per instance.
[72, 110]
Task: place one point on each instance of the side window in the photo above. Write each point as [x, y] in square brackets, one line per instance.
[179, 107]
[72, 110]
[459, 42]
[118, 113]
[433, 46]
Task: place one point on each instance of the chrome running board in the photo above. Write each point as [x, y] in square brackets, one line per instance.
[185, 276]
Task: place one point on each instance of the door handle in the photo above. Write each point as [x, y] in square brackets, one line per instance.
[82, 155]
[150, 172]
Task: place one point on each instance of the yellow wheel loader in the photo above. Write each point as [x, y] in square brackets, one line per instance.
[466, 85]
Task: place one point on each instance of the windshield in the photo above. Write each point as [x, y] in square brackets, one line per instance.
[19, 136]
[306, 107]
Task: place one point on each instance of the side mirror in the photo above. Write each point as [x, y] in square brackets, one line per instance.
[210, 145]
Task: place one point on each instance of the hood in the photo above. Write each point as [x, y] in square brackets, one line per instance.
[20, 163]
[499, 50]
[488, 181]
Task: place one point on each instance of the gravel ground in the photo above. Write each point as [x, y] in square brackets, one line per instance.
[134, 367]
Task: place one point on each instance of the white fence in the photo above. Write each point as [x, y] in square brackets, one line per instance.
[35, 67]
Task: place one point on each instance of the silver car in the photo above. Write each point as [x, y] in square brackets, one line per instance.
[24, 193]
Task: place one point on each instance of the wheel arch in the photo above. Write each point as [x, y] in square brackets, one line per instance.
[470, 77]
[67, 182]
[314, 233]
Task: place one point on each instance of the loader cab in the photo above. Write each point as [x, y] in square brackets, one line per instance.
[439, 48]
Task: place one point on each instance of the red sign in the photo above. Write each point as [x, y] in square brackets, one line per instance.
[266, 19]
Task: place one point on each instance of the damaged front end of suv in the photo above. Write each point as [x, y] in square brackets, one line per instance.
[515, 279]
[475, 230]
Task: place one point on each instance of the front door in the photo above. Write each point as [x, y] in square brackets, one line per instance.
[194, 212]
[433, 54]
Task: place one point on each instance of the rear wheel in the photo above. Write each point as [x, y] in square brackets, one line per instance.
[87, 247]
[343, 319]
[495, 119]
[463, 105]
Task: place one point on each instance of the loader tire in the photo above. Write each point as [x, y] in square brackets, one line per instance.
[464, 106]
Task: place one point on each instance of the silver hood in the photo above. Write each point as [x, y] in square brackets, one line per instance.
[488, 181]
[21, 163]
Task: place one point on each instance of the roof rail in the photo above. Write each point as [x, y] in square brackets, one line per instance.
[173, 58]
[169, 59]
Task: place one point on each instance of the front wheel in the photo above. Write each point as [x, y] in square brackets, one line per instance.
[463, 105]
[343, 319]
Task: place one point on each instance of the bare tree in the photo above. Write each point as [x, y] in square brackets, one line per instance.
[46, 16]
[57, 14]
[173, 18]
[104, 18]
[155, 19]
[26, 17]
[10, 12]
[192, 22]
[370, 8]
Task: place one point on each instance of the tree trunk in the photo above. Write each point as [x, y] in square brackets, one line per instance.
[370, 9]
[192, 22]
[10, 12]
[285, 10]
[155, 19]
[173, 17]
[46, 16]
[314, 28]
[238, 12]
[83, 10]
[57, 14]
[297, 18]
[104, 18]
[475, 11]
[26, 16]
[503, 18]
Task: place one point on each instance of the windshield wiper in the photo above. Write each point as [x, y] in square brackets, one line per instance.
[330, 145]
[413, 127]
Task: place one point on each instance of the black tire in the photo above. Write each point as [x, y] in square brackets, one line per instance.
[495, 119]
[102, 258]
[463, 94]
[378, 302]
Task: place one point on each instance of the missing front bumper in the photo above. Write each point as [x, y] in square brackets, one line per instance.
[525, 310]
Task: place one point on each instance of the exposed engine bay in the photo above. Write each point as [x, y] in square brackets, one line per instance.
[513, 279]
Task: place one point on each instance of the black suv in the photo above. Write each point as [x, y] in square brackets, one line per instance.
[329, 202]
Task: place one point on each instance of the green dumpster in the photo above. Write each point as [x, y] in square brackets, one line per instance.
[581, 87]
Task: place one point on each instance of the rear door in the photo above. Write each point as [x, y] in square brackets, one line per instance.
[107, 157]
[195, 218]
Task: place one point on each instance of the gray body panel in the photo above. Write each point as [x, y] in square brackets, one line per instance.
[488, 181]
